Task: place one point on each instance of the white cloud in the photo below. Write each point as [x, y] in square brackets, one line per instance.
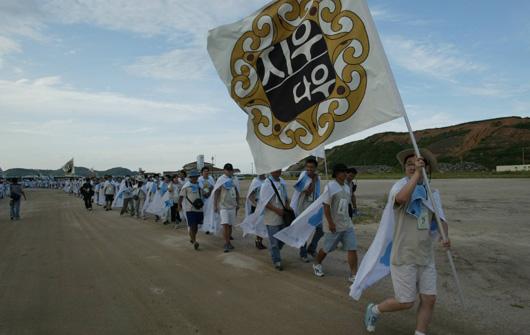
[22, 18]
[380, 13]
[177, 64]
[189, 19]
[48, 119]
[442, 61]
[7, 46]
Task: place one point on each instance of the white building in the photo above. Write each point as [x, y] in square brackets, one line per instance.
[513, 168]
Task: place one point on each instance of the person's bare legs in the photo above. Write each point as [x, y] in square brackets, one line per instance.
[226, 232]
[321, 255]
[352, 260]
[193, 233]
[392, 305]
[425, 309]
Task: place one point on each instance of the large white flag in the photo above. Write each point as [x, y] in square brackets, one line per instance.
[68, 168]
[307, 74]
[376, 262]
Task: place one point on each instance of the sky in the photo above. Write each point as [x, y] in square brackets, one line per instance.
[129, 82]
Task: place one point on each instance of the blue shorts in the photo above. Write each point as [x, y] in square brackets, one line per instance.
[347, 237]
[194, 218]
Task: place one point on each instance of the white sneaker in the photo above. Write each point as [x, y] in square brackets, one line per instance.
[351, 278]
[317, 268]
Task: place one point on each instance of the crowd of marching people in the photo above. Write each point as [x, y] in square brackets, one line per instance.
[204, 204]
[210, 206]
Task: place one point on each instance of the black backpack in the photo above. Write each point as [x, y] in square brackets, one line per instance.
[15, 195]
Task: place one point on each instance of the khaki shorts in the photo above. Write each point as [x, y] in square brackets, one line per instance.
[228, 216]
[411, 279]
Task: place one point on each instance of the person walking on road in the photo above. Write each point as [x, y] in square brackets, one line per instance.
[87, 191]
[16, 193]
[412, 265]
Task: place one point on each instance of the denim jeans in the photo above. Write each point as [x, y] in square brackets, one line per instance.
[276, 245]
[15, 208]
[319, 232]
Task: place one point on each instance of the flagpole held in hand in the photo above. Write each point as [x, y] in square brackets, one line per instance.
[436, 214]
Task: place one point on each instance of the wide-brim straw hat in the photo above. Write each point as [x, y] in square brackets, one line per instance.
[426, 154]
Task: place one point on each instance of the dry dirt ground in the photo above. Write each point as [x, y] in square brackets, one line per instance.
[64, 270]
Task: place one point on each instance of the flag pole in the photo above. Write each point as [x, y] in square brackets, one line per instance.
[436, 214]
[326, 167]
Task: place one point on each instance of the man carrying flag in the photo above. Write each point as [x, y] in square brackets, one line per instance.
[257, 227]
[191, 201]
[226, 203]
[306, 191]
[403, 245]
[337, 224]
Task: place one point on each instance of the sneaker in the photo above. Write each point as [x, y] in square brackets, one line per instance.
[121, 215]
[165, 222]
[317, 268]
[278, 266]
[157, 219]
[231, 238]
[304, 259]
[230, 246]
[12, 218]
[196, 245]
[90, 209]
[207, 233]
[226, 248]
[312, 253]
[176, 226]
[351, 278]
[259, 245]
[370, 319]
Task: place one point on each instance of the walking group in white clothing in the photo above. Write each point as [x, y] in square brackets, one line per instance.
[211, 206]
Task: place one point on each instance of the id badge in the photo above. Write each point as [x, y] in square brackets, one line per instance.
[423, 219]
[343, 207]
[233, 193]
[278, 201]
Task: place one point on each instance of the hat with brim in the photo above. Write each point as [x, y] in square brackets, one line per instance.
[140, 179]
[194, 173]
[426, 154]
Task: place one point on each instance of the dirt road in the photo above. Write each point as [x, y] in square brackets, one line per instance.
[64, 270]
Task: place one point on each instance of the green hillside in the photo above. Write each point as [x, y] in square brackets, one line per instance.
[488, 143]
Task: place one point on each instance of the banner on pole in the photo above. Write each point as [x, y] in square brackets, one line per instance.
[68, 168]
[307, 73]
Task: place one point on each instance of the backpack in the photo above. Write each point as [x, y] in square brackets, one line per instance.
[15, 195]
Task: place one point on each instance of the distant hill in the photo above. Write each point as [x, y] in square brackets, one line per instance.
[488, 143]
[79, 171]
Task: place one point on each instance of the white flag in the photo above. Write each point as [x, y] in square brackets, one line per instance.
[68, 168]
[306, 76]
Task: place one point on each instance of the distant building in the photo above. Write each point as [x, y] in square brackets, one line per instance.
[513, 168]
